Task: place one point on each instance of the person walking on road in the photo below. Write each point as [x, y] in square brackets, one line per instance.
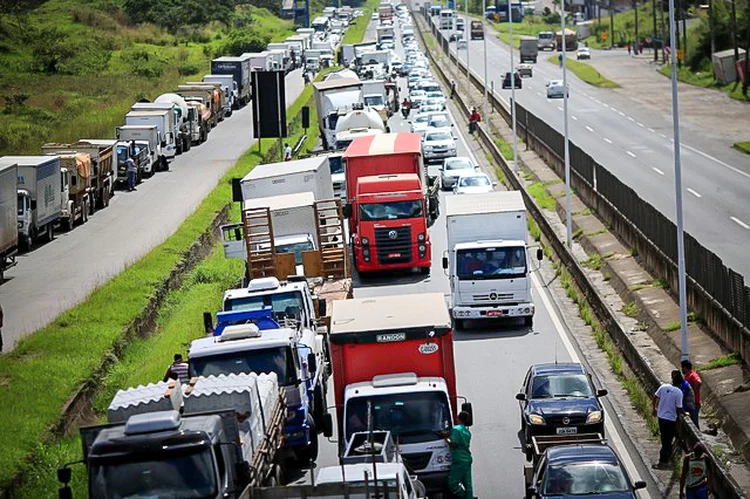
[695, 381]
[667, 405]
[131, 169]
[695, 480]
[287, 152]
[453, 88]
[177, 370]
[459, 441]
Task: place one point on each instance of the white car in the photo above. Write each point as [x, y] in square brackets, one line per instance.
[438, 144]
[436, 98]
[375, 16]
[419, 122]
[416, 97]
[431, 108]
[583, 53]
[453, 168]
[474, 183]
[556, 90]
[439, 120]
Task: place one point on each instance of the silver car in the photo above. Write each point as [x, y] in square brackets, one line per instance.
[556, 90]
[438, 144]
[453, 168]
[474, 183]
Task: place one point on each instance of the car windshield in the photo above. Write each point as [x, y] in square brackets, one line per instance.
[390, 211]
[374, 100]
[264, 360]
[474, 181]
[437, 136]
[435, 95]
[459, 164]
[412, 417]
[337, 164]
[440, 123]
[287, 304]
[175, 474]
[422, 118]
[560, 386]
[491, 263]
[584, 479]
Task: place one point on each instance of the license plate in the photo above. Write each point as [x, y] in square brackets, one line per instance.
[495, 313]
[567, 431]
[394, 255]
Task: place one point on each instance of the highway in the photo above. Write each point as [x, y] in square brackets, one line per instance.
[58, 275]
[491, 362]
[634, 142]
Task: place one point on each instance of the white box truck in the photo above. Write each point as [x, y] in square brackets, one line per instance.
[487, 257]
[146, 134]
[174, 118]
[333, 100]
[8, 214]
[288, 177]
[229, 86]
[259, 61]
[39, 196]
[160, 119]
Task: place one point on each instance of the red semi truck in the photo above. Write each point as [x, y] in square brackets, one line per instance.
[393, 362]
[390, 205]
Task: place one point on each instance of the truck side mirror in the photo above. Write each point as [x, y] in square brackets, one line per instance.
[328, 426]
[347, 211]
[445, 263]
[33, 204]
[321, 307]
[539, 254]
[467, 408]
[208, 323]
[312, 363]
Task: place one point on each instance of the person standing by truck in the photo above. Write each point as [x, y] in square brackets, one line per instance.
[177, 370]
[1, 328]
[459, 441]
[667, 405]
[695, 381]
[132, 170]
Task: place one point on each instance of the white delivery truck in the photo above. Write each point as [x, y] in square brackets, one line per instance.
[293, 222]
[39, 196]
[174, 118]
[284, 51]
[189, 119]
[259, 61]
[360, 122]
[487, 258]
[229, 86]
[297, 48]
[288, 177]
[8, 216]
[278, 60]
[161, 119]
[334, 99]
[148, 135]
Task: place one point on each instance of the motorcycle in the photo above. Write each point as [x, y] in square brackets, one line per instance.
[405, 111]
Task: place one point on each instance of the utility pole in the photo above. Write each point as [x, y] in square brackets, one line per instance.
[486, 84]
[611, 26]
[513, 87]
[599, 14]
[653, 42]
[734, 32]
[711, 27]
[637, 40]
[568, 215]
[746, 81]
[663, 32]
[676, 42]
[683, 8]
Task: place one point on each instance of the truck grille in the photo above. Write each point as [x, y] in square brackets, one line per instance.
[393, 249]
[417, 461]
[493, 297]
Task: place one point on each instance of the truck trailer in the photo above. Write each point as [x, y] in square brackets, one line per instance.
[289, 177]
[334, 99]
[166, 146]
[392, 357]
[239, 68]
[487, 262]
[529, 48]
[75, 181]
[8, 216]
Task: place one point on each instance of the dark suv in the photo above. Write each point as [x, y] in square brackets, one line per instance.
[560, 399]
[517, 78]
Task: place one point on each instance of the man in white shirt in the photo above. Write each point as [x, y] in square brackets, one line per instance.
[667, 405]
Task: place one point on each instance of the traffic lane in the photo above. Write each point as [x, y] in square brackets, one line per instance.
[59, 275]
[715, 207]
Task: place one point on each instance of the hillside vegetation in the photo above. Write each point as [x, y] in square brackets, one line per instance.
[71, 69]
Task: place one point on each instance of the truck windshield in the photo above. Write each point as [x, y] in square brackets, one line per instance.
[265, 360]
[413, 417]
[337, 164]
[491, 263]
[374, 100]
[175, 475]
[390, 211]
[285, 305]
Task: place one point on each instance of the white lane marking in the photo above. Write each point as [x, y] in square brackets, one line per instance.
[630, 154]
[657, 170]
[694, 193]
[651, 130]
[599, 102]
[589, 128]
[584, 93]
[607, 140]
[708, 156]
[612, 431]
[630, 119]
[560, 108]
[640, 124]
[612, 108]
[539, 93]
[620, 113]
[739, 222]
[663, 135]
[574, 118]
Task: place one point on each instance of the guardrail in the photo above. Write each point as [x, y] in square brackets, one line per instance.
[723, 484]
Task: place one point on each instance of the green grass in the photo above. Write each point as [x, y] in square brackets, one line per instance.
[541, 196]
[506, 149]
[672, 326]
[721, 361]
[356, 32]
[593, 262]
[743, 146]
[586, 73]
[630, 309]
[705, 79]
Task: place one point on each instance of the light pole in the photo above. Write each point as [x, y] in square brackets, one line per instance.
[678, 186]
[468, 66]
[512, 89]
[486, 84]
[568, 216]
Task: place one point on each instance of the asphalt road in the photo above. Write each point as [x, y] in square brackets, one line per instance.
[491, 362]
[634, 142]
[58, 275]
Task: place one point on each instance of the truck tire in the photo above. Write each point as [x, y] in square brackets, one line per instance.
[319, 402]
[85, 212]
[67, 223]
[304, 457]
[105, 198]
[459, 324]
[50, 232]
[424, 270]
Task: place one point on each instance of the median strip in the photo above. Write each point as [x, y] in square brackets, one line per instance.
[586, 73]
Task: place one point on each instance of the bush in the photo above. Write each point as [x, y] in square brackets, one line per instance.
[239, 41]
[188, 69]
[175, 14]
[551, 17]
[143, 63]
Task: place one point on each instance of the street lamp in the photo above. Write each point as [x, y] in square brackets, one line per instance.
[568, 216]
[486, 84]
[512, 90]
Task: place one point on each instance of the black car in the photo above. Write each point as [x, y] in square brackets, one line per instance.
[560, 399]
[456, 37]
[506, 80]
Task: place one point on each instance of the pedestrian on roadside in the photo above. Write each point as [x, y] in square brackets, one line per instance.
[474, 118]
[177, 370]
[453, 88]
[560, 60]
[695, 480]
[131, 169]
[667, 404]
[459, 441]
[695, 381]
[287, 152]
[628, 49]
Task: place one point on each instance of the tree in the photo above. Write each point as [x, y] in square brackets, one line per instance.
[49, 48]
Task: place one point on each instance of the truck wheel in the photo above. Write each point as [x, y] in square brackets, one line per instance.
[85, 212]
[528, 321]
[319, 401]
[67, 224]
[50, 232]
[105, 198]
[459, 324]
[310, 453]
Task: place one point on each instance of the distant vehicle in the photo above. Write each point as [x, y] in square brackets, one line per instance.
[476, 30]
[583, 53]
[555, 90]
[416, 97]
[546, 40]
[578, 17]
[438, 144]
[528, 48]
[456, 37]
[517, 80]
[525, 70]
[439, 120]
[462, 44]
[560, 399]
[474, 183]
[453, 168]
[591, 470]
[460, 24]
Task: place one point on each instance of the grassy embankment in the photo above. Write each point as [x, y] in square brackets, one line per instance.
[141, 361]
[705, 79]
[743, 146]
[586, 73]
[70, 69]
[356, 32]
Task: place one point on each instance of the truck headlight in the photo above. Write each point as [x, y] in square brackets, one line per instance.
[594, 417]
[365, 241]
[421, 237]
[421, 248]
[536, 419]
[428, 148]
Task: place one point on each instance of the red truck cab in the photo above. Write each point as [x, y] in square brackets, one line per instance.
[390, 207]
[392, 359]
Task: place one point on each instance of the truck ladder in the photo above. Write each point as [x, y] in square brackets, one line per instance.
[259, 242]
[329, 220]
